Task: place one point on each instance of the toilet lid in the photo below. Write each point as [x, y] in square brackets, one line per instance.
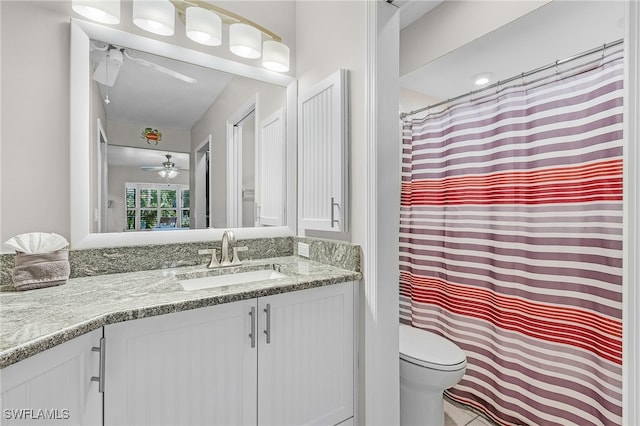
[430, 350]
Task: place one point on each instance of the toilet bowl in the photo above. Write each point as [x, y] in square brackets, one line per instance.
[429, 364]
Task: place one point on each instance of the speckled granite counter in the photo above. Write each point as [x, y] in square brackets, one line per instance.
[36, 320]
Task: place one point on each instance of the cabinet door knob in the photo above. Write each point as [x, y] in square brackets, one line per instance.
[100, 378]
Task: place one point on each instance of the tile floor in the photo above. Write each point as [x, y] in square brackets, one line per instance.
[456, 415]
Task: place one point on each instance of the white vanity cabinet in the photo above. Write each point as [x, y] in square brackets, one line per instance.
[306, 358]
[277, 360]
[193, 367]
[54, 386]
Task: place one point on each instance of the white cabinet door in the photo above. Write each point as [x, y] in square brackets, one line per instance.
[54, 386]
[194, 367]
[322, 154]
[306, 356]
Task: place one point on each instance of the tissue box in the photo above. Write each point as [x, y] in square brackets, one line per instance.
[40, 270]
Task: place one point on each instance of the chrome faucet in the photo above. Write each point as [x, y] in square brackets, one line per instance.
[228, 240]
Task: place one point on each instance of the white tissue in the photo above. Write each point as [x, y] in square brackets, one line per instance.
[37, 242]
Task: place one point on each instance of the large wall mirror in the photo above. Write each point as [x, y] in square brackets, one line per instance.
[174, 145]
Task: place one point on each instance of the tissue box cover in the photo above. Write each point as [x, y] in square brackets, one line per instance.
[40, 270]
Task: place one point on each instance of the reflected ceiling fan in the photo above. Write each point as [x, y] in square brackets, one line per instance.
[108, 68]
[167, 170]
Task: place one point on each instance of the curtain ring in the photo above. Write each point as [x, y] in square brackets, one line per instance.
[604, 47]
[557, 66]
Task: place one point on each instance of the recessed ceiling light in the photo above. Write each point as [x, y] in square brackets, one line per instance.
[482, 79]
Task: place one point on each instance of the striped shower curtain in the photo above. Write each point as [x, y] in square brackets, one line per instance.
[511, 244]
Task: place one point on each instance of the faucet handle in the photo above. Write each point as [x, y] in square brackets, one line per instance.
[214, 259]
[236, 259]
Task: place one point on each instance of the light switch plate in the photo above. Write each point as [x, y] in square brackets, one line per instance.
[303, 250]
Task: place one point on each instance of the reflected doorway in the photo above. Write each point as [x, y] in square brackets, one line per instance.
[202, 191]
[241, 142]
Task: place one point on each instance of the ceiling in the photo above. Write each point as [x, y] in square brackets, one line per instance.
[411, 10]
[134, 157]
[144, 95]
[555, 31]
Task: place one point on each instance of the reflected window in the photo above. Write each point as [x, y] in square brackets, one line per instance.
[156, 206]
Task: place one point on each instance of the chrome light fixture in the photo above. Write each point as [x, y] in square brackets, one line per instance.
[155, 16]
[169, 169]
[103, 11]
[203, 26]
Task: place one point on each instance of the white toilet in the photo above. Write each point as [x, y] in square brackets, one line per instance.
[429, 364]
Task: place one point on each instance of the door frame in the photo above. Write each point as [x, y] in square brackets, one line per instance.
[202, 161]
[234, 159]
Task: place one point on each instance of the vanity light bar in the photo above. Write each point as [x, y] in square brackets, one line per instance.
[203, 25]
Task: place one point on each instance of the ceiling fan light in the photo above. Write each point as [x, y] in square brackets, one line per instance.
[245, 40]
[168, 173]
[275, 56]
[155, 16]
[103, 11]
[204, 26]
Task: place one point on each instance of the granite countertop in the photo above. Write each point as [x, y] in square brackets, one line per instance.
[35, 320]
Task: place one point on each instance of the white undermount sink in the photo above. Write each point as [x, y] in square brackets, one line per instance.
[230, 279]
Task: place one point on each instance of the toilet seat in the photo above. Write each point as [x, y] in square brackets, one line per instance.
[430, 350]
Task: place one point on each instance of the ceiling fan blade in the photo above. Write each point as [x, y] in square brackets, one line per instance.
[151, 168]
[161, 69]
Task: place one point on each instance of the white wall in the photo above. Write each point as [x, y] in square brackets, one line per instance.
[35, 120]
[453, 24]
[332, 35]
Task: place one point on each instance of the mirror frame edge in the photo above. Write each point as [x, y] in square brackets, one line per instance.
[80, 131]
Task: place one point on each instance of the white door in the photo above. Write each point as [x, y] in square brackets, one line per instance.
[194, 367]
[306, 357]
[271, 171]
[54, 386]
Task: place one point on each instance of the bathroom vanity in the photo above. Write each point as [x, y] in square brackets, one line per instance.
[136, 348]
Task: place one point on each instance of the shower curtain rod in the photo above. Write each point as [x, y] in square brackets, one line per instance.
[515, 77]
